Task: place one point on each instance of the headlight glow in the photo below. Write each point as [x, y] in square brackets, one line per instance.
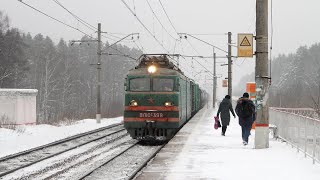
[167, 104]
[152, 69]
[133, 103]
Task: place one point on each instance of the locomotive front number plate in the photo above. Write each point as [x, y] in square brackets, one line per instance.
[151, 115]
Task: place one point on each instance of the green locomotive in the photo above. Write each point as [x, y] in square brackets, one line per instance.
[159, 99]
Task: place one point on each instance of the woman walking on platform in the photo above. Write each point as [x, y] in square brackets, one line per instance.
[224, 108]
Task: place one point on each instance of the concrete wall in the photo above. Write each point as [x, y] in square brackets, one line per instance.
[18, 106]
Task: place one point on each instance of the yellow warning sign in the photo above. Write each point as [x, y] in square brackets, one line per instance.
[245, 45]
[224, 83]
[245, 42]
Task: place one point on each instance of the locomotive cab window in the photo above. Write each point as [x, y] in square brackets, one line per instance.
[140, 84]
[163, 85]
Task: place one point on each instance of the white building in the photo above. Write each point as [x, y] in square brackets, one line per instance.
[18, 106]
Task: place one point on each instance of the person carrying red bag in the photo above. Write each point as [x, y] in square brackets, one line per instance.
[224, 108]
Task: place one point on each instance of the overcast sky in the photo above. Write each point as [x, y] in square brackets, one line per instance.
[295, 23]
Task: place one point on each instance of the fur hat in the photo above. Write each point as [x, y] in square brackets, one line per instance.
[246, 95]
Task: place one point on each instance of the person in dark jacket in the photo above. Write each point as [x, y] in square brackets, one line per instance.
[245, 110]
[224, 108]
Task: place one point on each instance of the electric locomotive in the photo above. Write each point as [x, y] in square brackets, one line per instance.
[159, 99]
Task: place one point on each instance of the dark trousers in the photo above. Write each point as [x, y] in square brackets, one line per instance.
[245, 132]
[224, 129]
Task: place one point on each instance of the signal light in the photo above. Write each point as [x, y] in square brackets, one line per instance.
[168, 104]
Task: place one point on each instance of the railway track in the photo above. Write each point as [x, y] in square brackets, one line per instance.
[125, 164]
[73, 164]
[12, 163]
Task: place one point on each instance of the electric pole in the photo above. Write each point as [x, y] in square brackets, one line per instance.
[262, 76]
[214, 80]
[229, 65]
[100, 53]
[98, 115]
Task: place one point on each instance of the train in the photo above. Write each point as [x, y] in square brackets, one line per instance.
[159, 98]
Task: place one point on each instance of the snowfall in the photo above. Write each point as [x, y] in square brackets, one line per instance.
[216, 156]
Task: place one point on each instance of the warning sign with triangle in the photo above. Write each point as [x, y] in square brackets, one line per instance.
[245, 45]
[245, 42]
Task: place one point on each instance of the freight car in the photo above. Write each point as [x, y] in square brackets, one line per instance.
[159, 99]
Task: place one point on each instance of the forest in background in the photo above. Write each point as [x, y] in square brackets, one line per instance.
[66, 79]
[295, 79]
[64, 74]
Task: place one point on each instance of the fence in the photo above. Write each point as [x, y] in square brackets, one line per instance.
[300, 128]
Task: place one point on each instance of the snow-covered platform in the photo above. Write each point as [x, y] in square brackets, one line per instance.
[199, 151]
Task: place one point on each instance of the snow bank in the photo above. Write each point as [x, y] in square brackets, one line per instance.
[27, 137]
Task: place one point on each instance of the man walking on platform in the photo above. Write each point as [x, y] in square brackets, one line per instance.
[245, 109]
[224, 108]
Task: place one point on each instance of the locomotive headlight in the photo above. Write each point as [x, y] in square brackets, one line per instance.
[167, 104]
[152, 69]
[133, 103]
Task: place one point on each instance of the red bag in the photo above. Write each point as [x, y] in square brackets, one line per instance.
[216, 122]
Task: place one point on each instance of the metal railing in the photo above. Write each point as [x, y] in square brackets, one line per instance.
[309, 112]
[298, 127]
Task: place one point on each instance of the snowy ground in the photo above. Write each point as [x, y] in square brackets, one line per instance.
[26, 137]
[199, 151]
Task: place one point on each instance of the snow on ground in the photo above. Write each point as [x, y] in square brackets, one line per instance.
[205, 153]
[229, 159]
[200, 152]
[26, 137]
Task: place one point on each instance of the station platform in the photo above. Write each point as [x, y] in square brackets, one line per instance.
[198, 151]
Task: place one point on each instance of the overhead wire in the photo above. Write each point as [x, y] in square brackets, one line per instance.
[88, 25]
[175, 45]
[85, 23]
[159, 20]
[75, 16]
[181, 55]
[209, 34]
[195, 49]
[144, 26]
[200, 65]
[77, 29]
[168, 17]
[134, 6]
[140, 44]
[141, 49]
[243, 60]
[61, 22]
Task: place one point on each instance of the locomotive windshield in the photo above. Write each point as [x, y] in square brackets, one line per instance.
[162, 84]
[140, 84]
[158, 84]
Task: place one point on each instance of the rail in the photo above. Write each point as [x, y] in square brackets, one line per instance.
[38, 154]
[131, 171]
[299, 127]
